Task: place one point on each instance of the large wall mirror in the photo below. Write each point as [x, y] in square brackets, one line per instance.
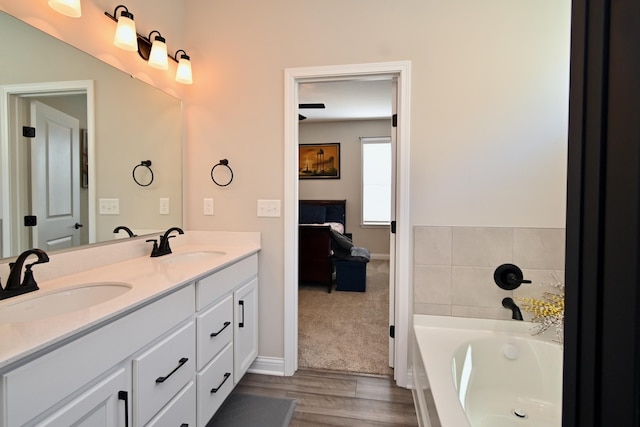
[94, 124]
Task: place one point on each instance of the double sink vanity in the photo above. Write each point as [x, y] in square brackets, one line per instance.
[114, 337]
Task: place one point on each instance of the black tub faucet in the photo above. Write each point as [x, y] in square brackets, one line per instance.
[14, 284]
[516, 314]
[162, 247]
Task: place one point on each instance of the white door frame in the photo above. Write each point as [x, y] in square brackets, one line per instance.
[403, 298]
[44, 88]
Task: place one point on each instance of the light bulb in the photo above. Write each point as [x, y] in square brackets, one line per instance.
[126, 37]
[71, 8]
[183, 74]
[158, 57]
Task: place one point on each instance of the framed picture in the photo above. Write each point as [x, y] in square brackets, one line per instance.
[319, 161]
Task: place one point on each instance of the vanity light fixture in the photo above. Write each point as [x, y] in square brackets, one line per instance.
[183, 73]
[126, 37]
[152, 49]
[158, 57]
[71, 8]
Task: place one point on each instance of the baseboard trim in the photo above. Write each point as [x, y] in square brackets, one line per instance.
[267, 366]
[275, 366]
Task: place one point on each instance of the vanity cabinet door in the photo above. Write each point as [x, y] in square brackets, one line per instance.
[106, 404]
[245, 333]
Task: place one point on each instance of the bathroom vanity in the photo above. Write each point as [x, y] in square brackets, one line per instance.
[167, 351]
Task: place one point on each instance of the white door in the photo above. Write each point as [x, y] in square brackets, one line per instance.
[106, 404]
[245, 328]
[392, 235]
[55, 182]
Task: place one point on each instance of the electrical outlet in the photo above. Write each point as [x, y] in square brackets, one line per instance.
[269, 208]
[164, 206]
[109, 206]
[208, 206]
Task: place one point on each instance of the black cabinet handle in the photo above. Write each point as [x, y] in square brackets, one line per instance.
[215, 334]
[123, 395]
[180, 363]
[241, 324]
[184, 425]
[226, 377]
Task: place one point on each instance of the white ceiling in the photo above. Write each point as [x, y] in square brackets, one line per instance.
[347, 99]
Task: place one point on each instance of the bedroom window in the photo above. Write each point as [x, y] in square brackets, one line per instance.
[376, 180]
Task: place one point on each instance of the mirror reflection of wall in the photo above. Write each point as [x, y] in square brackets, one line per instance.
[133, 122]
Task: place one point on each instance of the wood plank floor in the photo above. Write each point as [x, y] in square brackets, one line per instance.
[329, 398]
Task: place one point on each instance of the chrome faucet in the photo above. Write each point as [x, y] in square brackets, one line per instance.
[14, 285]
[127, 229]
[163, 248]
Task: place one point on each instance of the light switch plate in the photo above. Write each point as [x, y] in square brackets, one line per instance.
[109, 206]
[164, 206]
[269, 208]
[207, 206]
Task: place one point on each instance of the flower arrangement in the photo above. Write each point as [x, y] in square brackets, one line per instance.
[547, 311]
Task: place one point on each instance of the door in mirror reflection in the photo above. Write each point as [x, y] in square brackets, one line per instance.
[45, 184]
[55, 178]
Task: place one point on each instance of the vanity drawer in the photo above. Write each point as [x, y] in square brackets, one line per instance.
[214, 384]
[214, 330]
[161, 371]
[216, 285]
[180, 411]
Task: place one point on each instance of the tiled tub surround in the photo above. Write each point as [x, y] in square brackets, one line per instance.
[127, 262]
[454, 266]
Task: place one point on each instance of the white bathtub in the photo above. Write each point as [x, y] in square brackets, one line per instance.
[486, 373]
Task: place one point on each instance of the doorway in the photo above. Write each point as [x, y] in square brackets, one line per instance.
[348, 330]
[75, 97]
[401, 273]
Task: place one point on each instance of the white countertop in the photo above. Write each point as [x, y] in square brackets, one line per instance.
[150, 278]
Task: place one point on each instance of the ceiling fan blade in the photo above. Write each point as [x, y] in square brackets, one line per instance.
[313, 105]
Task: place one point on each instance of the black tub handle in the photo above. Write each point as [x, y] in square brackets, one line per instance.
[180, 363]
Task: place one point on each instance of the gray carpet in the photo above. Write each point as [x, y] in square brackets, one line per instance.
[346, 331]
[248, 410]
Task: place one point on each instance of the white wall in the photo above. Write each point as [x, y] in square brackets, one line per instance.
[489, 97]
[349, 186]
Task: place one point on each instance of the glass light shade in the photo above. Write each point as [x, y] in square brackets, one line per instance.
[126, 37]
[183, 74]
[71, 8]
[158, 57]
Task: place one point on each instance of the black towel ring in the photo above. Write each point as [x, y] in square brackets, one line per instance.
[146, 164]
[225, 163]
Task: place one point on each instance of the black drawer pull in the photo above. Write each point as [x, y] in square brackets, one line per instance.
[241, 323]
[184, 425]
[123, 395]
[180, 363]
[226, 377]
[215, 334]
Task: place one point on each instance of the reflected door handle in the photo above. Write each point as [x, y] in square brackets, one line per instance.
[77, 225]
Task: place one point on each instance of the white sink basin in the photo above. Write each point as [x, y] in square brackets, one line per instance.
[66, 300]
[191, 257]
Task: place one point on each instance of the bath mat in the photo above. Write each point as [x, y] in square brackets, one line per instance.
[248, 410]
